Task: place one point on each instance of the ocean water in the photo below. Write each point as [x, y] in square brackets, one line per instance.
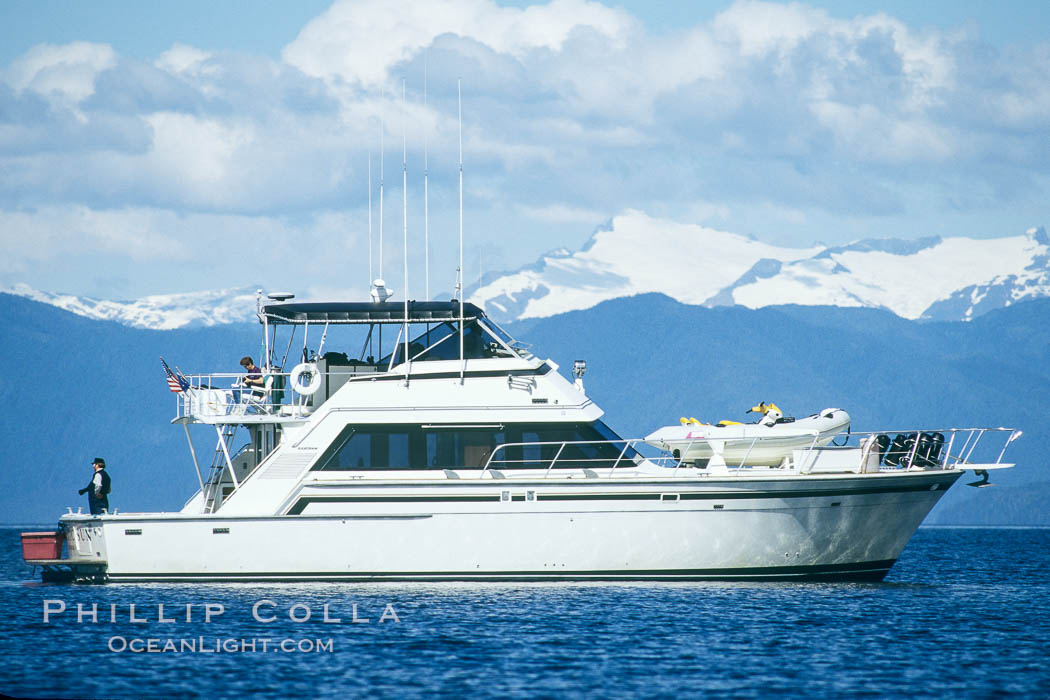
[963, 613]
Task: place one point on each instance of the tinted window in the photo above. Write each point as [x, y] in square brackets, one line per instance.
[575, 445]
[468, 448]
[443, 343]
[579, 445]
[370, 447]
[357, 454]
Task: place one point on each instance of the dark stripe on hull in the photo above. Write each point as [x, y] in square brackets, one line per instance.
[301, 504]
[864, 571]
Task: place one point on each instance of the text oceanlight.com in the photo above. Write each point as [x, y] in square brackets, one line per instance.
[218, 645]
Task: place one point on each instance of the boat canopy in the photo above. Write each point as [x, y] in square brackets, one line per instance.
[301, 313]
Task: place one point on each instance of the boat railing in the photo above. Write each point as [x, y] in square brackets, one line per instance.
[913, 448]
[607, 455]
[954, 448]
[218, 394]
[943, 449]
[214, 395]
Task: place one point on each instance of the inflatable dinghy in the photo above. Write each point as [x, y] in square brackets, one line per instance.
[765, 443]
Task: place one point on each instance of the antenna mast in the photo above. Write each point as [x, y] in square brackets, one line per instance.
[426, 184]
[382, 158]
[379, 289]
[370, 278]
[404, 214]
[459, 270]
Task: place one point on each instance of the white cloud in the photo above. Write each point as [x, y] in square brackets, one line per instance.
[564, 213]
[145, 246]
[202, 151]
[181, 58]
[46, 233]
[764, 27]
[360, 41]
[66, 72]
[877, 136]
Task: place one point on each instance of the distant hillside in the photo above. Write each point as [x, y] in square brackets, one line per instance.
[76, 388]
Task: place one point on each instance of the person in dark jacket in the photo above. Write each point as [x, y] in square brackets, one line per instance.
[253, 379]
[98, 488]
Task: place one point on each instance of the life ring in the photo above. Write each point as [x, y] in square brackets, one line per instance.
[297, 374]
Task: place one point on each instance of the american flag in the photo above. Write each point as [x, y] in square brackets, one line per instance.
[176, 382]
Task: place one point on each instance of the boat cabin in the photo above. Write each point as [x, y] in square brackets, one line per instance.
[386, 386]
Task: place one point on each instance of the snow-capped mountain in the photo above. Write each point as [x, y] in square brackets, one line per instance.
[950, 278]
[633, 254]
[158, 312]
[934, 278]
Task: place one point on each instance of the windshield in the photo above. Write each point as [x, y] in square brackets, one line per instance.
[441, 342]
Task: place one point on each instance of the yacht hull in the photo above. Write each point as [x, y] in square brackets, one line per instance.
[829, 527]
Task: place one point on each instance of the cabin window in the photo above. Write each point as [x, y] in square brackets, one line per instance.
[368, 447]
[469, 448]
[397, 450]
[573, 444]
[357, 454]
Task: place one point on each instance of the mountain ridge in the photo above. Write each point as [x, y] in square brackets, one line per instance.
[201, 309]
[930, 278]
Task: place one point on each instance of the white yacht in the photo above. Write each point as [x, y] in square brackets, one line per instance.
[455, 453]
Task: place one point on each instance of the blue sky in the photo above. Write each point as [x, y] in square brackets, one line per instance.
[143, 30]
[163, 147]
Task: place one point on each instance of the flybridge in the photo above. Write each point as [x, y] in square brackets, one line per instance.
[364, 312]
[448, 335]
[449, 331]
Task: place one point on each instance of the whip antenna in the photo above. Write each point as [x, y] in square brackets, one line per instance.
[426, 185]
[459, 270]
[379, 289]
[404, 214]
[382, 159]
[370, 278]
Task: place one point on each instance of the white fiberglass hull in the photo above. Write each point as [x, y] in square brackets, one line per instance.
[838, 527]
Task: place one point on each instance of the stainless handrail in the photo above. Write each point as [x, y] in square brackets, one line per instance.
[562, 444]
[947, 460]
[973, 435]
[221, 381]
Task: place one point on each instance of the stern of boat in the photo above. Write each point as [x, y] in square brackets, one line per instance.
[85, 551]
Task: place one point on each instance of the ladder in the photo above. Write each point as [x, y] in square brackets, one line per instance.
[213, 486]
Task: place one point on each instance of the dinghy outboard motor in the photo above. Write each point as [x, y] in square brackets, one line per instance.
[771, 414]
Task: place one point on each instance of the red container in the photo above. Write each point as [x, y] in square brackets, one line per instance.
[42, 545]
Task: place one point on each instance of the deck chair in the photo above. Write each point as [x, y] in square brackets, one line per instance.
[257, 397]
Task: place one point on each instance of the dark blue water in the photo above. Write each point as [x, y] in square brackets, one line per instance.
[964, 613]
